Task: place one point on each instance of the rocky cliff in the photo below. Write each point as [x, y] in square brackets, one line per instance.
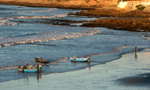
[62, 3]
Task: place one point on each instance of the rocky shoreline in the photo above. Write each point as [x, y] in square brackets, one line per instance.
[114, 18]
[102, 12]
[122, 24]
[118, 19]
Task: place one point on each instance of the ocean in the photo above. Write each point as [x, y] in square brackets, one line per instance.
[31, 32]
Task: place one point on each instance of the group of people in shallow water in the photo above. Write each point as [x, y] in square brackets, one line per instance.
[30, 68]
[25, 66]
[88, 58]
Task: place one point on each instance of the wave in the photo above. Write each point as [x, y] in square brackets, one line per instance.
[37, 11]
[116, 50]
[62, 59]
[40, 17]
[6, 22]
[122, 47]
[46, 36]
[5, 68]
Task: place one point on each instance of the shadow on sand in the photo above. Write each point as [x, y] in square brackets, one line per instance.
[138, 80]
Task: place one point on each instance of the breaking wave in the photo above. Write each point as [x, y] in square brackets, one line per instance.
[116, 50]
[41, 17]
[46, 36]
[6, 22]
[37, 11]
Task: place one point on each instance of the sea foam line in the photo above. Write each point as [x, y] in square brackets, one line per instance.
[116, 50]
[35, 11]
[5, 68]
[6, 22]
[43, 37]
[39, 17]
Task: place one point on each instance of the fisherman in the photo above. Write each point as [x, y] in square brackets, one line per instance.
[27, 65]
[37, 67]
[135, 50]
[23, 68]
[89, 58]
[74, 58]
[41, 59]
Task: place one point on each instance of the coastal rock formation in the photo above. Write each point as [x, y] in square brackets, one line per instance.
[121, 24]
[62, 3]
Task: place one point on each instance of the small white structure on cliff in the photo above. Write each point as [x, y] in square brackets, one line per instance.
[122, 4]
[131, 5]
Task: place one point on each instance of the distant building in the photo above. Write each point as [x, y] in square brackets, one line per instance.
[131, 4]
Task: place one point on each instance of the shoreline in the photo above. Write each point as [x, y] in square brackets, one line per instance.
[48, 5]
[122, 19]
[112, 75]
[118, 19]
[127, 72]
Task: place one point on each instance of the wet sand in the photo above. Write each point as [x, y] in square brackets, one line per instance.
[127, 73]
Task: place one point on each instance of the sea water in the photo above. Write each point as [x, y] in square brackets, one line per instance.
[26, 33]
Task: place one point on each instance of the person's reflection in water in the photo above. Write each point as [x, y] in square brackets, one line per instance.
[136, 49]
[89, 63]
[39, 77]
[74, 64]
[136, 57]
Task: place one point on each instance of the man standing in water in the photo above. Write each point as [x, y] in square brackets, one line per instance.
[89, 58]
[74, 58]
[135, 49]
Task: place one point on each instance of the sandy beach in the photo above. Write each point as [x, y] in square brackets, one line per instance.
[126, 73]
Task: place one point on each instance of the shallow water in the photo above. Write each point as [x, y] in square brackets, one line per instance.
[126, 73]
[22, 38]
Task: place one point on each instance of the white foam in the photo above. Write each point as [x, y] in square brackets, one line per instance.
[40, 17]
[122, 47]
[116, 50]
[37, 11]
[60, 15]
[49, 36]
[6, 44]
[4, 68]
[6, 22]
